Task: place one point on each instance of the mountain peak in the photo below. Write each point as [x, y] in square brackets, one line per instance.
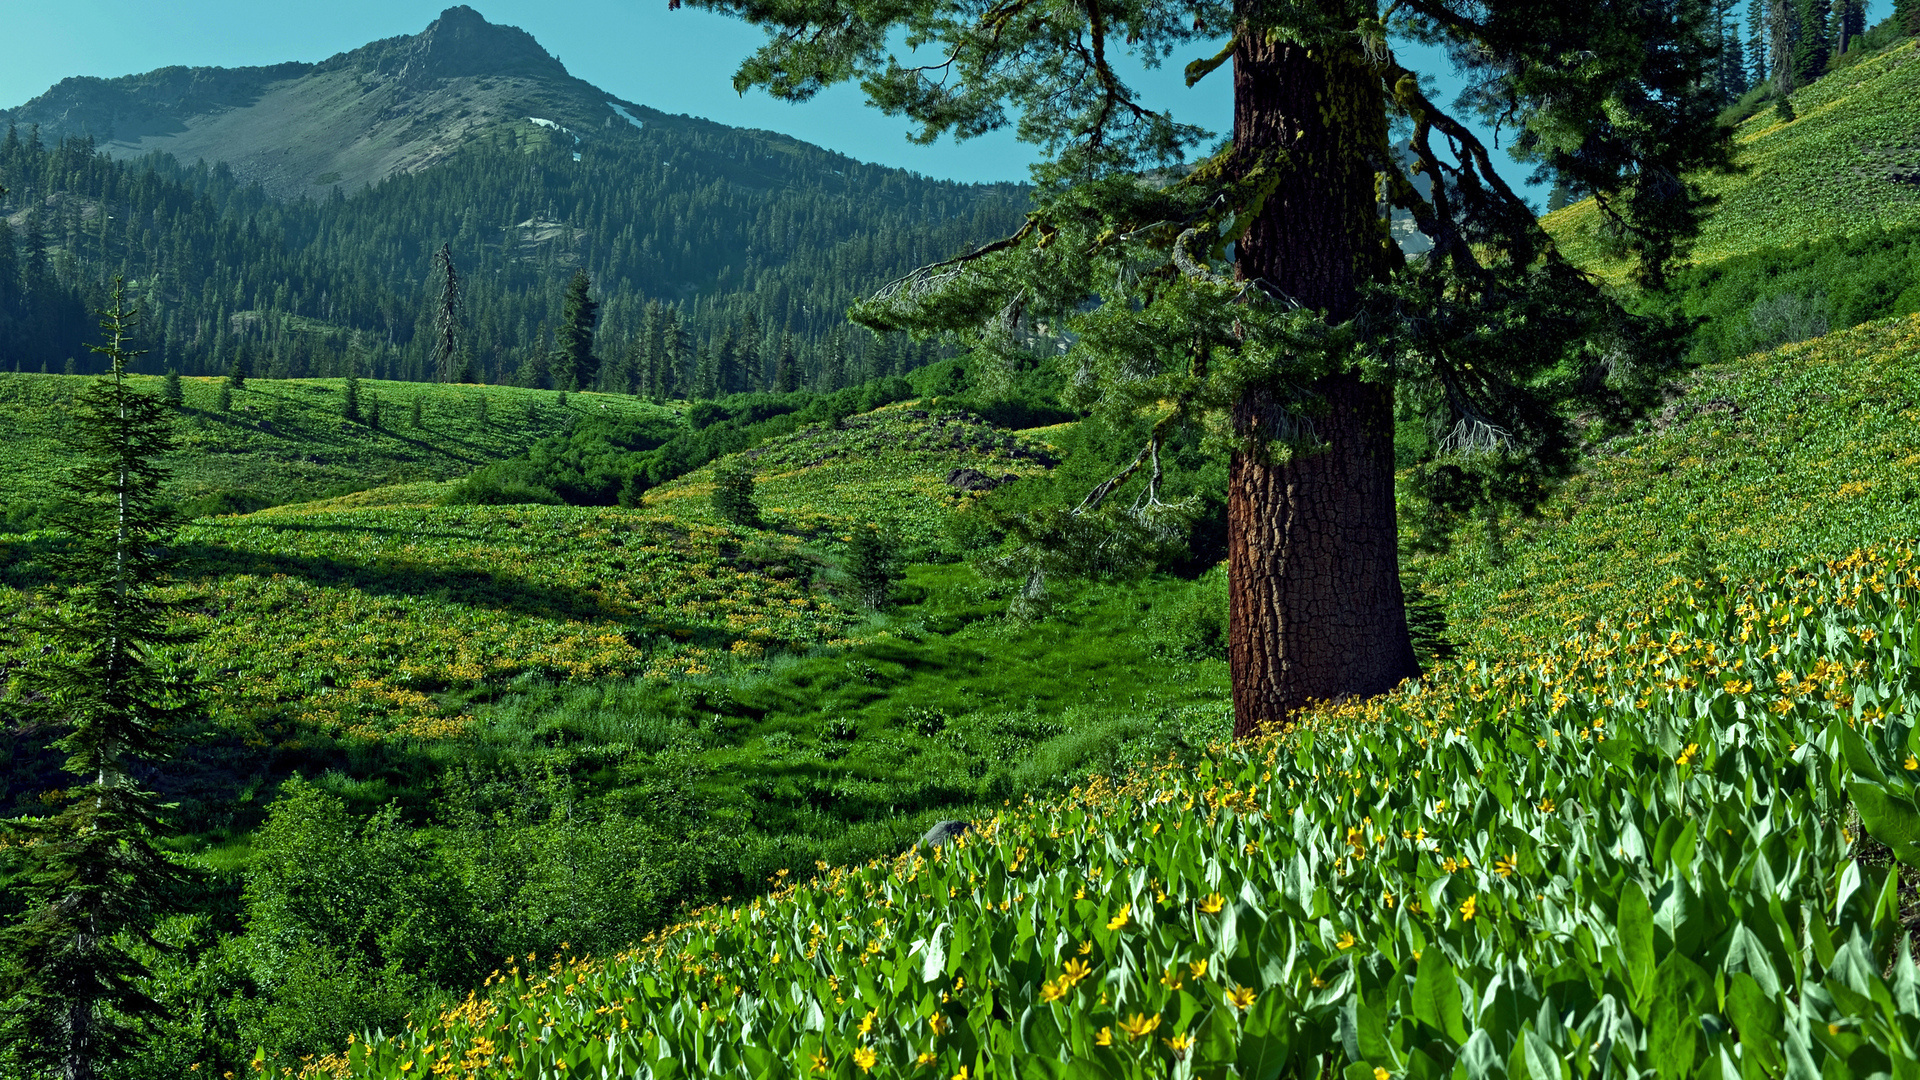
[462, 43]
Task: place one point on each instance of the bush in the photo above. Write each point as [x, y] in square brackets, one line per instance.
[873, 566]
[733, 495]
[593, 464]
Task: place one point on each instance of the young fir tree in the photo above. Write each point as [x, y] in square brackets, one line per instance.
[95, 881]
[171, 391]
[786, 369]
[574, 365]
[350, 407]
[450, 360]
[240, 369]
[1260, 298]
[733, 494]
[873, 566]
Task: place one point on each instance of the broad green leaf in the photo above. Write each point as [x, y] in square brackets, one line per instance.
[1436, 996]
[1889, 818]
[1854, 750]
[1635, 925]
[1757, 1018]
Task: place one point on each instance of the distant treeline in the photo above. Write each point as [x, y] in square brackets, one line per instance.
[733, 252]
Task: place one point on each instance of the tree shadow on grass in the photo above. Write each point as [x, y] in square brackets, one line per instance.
[500, 590]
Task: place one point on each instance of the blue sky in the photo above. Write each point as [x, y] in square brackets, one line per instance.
[679, 61]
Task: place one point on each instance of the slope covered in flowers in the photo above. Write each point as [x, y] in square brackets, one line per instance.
[1839, 168]
[285, 440]
[350, 617]
[1805, 452]
[1633, 851]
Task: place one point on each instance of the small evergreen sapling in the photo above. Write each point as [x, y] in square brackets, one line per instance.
[94, 880]
[417, 418]
[873, 566]
[171, 393]
[733, 494]
[350, 409]
[238, 371]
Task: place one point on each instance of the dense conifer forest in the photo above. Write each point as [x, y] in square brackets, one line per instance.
[714, 253]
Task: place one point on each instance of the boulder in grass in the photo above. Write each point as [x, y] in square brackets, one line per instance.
[971, 480]
[942, 832]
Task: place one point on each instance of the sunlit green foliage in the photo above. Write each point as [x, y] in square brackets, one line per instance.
[1799, 453]
[1844, 166]
[1630, 851]
[285, 440]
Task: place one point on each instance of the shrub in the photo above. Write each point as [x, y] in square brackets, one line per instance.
[733, 495]
[873, 566]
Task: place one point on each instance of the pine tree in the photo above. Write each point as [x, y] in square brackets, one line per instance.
[416, 414]
[733, 494]
[95, 878]
[1257, 296]
[450, 360]
[350, 406]
[1810, 44]
[786, 370]
[171, 392]
[241, 367]
[676, 355]
[574, 365]
[750, 374]
[1733, 60]
[1758, 70]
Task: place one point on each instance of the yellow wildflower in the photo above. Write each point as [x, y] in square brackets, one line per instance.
[1467, 909]
[1139, 1026]
[1240, 997]
[1212, 904]
[1120, 920]
[865, 1057]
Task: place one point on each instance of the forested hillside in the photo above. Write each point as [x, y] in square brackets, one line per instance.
[713, 251]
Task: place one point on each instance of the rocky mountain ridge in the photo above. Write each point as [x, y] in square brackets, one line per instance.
[396, 105]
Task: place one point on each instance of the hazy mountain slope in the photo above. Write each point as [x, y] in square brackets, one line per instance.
[397, 105]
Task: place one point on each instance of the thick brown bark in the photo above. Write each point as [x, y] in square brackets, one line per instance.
[1316, 611]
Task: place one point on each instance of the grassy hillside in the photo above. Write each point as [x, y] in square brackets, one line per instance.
[1802, 453]
[286, 440]
[1625, 853]
[1845, 165]
[386, 638]
[1648, 793]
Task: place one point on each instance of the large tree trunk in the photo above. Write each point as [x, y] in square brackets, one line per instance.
[1316, 610]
